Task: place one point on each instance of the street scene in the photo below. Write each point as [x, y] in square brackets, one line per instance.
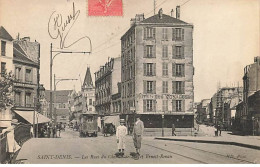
[120, 82]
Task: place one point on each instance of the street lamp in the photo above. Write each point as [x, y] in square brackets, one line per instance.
[253, 118]
[51, 64]
[162, 125]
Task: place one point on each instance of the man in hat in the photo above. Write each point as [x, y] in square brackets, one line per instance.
[121, 132]
[137, 134]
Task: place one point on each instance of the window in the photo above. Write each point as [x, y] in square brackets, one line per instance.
[149, 51]
[165, 105]
[178, 105]
[90, 109]
[177, 34]
[3, 48]
[165, 69]
[3, 68]
[165, 86]
[17, 99]
[90, 102]
[149, 32]
[165, 51]
[150, 87]
[149, 69]
[180, 70]
[178, 52]
[28, 75]
[164, 33]
[149, 105]
[18, 75]
[28, 100]
[178, 87]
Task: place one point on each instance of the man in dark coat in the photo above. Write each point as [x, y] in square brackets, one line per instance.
[137, 134]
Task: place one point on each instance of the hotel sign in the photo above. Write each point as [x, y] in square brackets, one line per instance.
[163, 96]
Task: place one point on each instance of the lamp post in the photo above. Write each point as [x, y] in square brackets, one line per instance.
[162, 125]
[55, 86]
[253, 118]
[51, 65]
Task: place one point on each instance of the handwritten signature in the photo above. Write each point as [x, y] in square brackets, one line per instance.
[60, 29]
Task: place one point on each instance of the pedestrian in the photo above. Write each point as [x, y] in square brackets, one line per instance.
[220, 129]
[173, 130]
[121, 132]
[137, 134]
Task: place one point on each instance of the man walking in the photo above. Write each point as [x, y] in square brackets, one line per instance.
[137, 134]
[121, 132]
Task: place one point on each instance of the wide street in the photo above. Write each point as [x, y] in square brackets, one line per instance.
[72, 149]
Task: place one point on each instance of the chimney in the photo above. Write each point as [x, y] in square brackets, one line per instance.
[178, 10]
[160, 13]
[172, 11]
[26, 39]
[138, 18]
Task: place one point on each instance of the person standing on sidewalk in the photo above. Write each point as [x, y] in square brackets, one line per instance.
[121, 132]
[173, 130]
[137, 134]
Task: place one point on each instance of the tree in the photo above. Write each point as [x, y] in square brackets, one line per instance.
[6, 86]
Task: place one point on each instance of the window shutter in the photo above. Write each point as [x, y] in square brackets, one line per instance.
[183, 87]
[173, 52]
[154, 69]
[182, 52]
[154, 87]
[173, 87]
[183, 70]
[145, 72]
[173, 105]
[154, 105]
[173, 34]
[144, 105]
[154, 51]
[183, 105]
[145, 87]
[173, 69]
[166, 50]
[145, 32]
[145, 51]
[182, 34]
[154, 33]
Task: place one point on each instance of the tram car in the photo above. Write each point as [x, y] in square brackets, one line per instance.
[88, 125]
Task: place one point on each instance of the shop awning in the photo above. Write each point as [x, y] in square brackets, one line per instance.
[28, 116]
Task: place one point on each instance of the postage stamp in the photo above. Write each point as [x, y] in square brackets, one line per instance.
[105, 8]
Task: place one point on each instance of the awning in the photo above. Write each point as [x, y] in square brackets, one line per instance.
[28, 116]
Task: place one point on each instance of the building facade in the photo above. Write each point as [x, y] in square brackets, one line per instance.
[157, 71]
[88, 90]
[248, 115]
[6, 60]
[106, 82]
[203, 111]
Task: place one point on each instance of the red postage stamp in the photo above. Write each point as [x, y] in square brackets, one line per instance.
[105, 8]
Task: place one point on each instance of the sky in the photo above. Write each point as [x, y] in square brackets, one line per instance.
[226, 37]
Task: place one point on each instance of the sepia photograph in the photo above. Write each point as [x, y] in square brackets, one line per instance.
[130, 82]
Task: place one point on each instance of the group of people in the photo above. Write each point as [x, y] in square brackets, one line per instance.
[137, 134]
[51, 131]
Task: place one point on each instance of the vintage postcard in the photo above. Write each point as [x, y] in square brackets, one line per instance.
[129, 82]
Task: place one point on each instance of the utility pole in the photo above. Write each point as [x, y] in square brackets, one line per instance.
[154, 6]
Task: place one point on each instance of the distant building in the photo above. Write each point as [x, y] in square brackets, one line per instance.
[88, 90]
[157, 71]
[60, 104]
[107, 80]
[248, 114]
[203, 111]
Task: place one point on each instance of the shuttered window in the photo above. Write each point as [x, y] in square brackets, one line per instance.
[165, 86]
[178, 52]
[177, 34]
[178, 87]
[149, 87]
[165, 51]
[178, 105]
[149, 69]
[165, 105]
[149, 33]
[149, 51]
[164, 34]
[3, 48]
[180, 70]
[165, 69]
[149, 105]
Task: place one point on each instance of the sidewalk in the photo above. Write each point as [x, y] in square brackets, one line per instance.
[252, 142]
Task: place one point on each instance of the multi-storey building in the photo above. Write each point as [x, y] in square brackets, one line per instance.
[6, 60]
[157, 71]
[248, 115]
[106, 92]
[203, 111]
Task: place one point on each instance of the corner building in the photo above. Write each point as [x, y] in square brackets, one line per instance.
[157, 71]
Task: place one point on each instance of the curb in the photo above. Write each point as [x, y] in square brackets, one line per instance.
[212, 142]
